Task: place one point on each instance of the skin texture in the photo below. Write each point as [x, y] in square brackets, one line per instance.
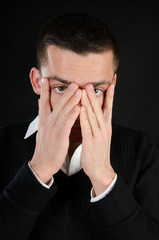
[56, 111]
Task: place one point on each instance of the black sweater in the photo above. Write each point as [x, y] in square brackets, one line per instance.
[30, 211]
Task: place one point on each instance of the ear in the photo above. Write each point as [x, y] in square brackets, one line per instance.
[35, 80]
[115, 79]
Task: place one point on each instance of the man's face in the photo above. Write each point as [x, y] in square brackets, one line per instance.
[71, 67]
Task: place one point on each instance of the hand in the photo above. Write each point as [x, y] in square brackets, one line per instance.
[52, 140]
[96, 138]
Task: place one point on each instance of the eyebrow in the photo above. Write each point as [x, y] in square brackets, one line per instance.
[56, 78]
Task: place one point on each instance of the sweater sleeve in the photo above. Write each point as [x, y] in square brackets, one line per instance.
[21, 203]
[106, 192]
[22, 199]
[38, 179]
[125, 214]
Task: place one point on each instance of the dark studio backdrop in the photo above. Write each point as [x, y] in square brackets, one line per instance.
[136, 101]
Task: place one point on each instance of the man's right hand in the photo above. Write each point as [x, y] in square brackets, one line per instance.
[52, 139]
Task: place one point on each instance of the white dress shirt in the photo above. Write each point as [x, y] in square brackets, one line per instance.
[74, 166]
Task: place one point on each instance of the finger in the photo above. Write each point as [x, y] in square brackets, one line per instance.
[67, 125]
[45, 105]
[108, 104]
[85, 126]
[64, 114]
[95, 105]
[91, 115]
[64, 100]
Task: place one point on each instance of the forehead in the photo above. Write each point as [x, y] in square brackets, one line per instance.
[78, 68]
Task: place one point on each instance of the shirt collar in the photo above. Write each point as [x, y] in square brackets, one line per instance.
[75, 162]
[33, 127]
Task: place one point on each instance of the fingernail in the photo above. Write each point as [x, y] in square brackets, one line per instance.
[72, 86]
[91, 87]
[85, 93]
[76, 108]
[84, 109]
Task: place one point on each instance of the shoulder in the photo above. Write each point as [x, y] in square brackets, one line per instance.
[137, 147]
[123, 134]
[12, 131]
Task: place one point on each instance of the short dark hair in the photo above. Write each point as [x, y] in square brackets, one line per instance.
[79, 32]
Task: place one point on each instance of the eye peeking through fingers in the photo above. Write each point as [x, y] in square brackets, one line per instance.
[62, 89]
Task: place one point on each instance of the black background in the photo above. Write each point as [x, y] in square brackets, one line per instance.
[136, 29]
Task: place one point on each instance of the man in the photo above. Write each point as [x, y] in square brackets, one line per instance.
[80, 176]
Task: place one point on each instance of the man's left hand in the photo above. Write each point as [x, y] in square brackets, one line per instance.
[96, 130]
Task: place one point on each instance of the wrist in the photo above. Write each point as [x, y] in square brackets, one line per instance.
[103, 181]
[42, 173]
